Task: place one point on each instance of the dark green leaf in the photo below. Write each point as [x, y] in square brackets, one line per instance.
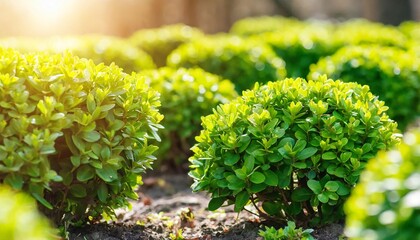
[299, 146]
[299, 165]
[78, 190]
[257, 177]
[103, 192]
[216, 203]
[249, 163]
[271, 208]
[85, 173]
[42, 200]
[315, 186]
[301, 194]
[343, 190]
[107, 173]
[241, 199]
[271, 178]
[230, 158]
[306, 153]
[15, 181]
[255, 188]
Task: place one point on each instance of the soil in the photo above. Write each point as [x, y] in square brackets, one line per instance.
[167, 209]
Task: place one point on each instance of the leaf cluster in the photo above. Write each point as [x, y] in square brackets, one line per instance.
[73, 134]
[391, 74]
[363, 32]
[99, 48]
[244, 62]
[160, 42]
[290, 232]
[293, 148]
[186, 96]
[385, 203]
[300, 47]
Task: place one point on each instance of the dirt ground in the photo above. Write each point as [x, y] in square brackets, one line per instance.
[167, 209]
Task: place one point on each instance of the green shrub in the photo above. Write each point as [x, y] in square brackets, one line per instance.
[385, 203]
[242, 61]
[257, 25]
[391, 74]
[20, 219]
[293, 147]
[300, 47]
[160, 42]
[186, 95]
[101, 49]
[364, 32]
[74, 134]
[287, 233]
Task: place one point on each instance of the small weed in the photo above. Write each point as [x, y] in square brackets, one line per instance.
[287, 233]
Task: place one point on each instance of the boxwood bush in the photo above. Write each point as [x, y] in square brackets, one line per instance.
[242, 61]
[186, 95]
[160, 42]
[257, 25]
[73, 134]
[385, 203]
[20, 219]
[391, 73]
[411, 29]
[101, 49]
[300, 47]
[364, 32]
[292, 148]
[105, 49]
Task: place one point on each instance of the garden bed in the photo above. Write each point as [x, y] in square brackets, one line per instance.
[164, 200]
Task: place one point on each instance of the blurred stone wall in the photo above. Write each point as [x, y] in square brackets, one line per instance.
[123, 17]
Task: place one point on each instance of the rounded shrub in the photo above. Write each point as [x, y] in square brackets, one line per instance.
[101, 49]
[392, 74]
[292, 148]
[104, 49]
[364, 32]
[257, 25]
[385, 203]
[73, 134]
[411, 29]
[300, 47]
[20, 219]
[242, 61]
[160, 42]
[186, 96]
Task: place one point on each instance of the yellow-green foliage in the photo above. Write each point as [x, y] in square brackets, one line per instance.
[160, 42]
[20, 219]
[391, 73]
[411, 29]
[101, 49]
[74, 134]
[257, 25]
[186, 96]
[385, 203]
[293, 147]
[244, 62]
[363, 32]
[300, 47]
